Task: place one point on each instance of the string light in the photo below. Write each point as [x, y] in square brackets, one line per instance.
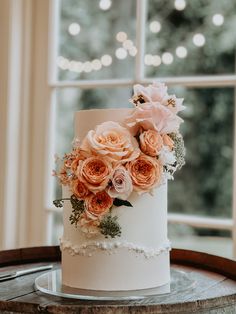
[121, 53]
[167, 58]
[218, 19]
[127, 44]
[181, 52]
[133, 51]
[106, 60]
[72, 66]
[156, 61]
[87, 67]
[121, 36]
[148, 59]
[199, 40]
[180, 5]
[63, 63]
[78, 67]
[74, 29]
[105, 4]
[155, 26]
[96, 64]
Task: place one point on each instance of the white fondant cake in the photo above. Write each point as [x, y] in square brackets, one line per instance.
[115, 194]
[139, 258]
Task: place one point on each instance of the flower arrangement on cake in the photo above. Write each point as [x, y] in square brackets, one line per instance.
[115, 160]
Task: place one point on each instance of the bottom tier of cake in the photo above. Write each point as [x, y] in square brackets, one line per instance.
[111, 271]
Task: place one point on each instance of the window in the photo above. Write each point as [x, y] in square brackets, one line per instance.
[97, 52]
[180, 42]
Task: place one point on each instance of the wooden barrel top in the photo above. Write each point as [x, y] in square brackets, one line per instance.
[214, 290]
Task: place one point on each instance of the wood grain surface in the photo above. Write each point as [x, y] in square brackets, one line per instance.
[214, 291]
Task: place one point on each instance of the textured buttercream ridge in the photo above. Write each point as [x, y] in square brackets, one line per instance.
[86, 249]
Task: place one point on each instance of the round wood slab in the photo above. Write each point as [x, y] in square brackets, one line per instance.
[214, 291]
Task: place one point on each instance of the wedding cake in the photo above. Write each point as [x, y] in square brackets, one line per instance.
[115, 193]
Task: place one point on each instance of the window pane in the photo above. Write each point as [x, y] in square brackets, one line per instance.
[187, 37]
[96, 39]
[217, 242]
[204, 184]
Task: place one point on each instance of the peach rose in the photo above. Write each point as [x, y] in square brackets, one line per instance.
[151, 142]
[153, 116]
[72, 159]
[97, 205]
[152, 93]
[145, 172]
[167, 141]
[88, 225]
[79, 154]
[79, 189]
[95, 173]
[113, 141]
[121, 184]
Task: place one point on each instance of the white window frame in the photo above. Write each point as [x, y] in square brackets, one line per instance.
[40, 93]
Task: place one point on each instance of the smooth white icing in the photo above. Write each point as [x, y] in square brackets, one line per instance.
[144, 234]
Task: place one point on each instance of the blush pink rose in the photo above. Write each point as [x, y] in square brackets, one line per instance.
[121, 184]
[173, 103]
[145, 172]
[155, 92]
[95, 173]
[112, 141]
[153, 116]
[151, 142]
[79, 189]
[97, 205]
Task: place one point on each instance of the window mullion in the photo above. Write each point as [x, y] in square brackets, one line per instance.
[234, 182]
[140, 39]
[191, 81]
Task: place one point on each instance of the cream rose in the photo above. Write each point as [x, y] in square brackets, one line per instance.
[97, 205]
[121, 184]
[145, 172]
[151, 142]
[95, 173]
[113, 141]
[167, 141]
[79, 189]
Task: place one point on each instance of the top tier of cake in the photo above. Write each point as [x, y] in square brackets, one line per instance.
[86, 120]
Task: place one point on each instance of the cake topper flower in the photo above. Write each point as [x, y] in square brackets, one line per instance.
[117, 159]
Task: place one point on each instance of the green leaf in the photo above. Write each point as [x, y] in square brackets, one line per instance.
[76, 203]
[58, 203]
[78, 209]
[109, 227]
[118, 202]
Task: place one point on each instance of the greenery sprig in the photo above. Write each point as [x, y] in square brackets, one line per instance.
[179, 149]
[109, 227]
[78, 209]
[77, 205]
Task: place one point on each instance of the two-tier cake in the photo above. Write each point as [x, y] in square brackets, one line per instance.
[115, 193]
